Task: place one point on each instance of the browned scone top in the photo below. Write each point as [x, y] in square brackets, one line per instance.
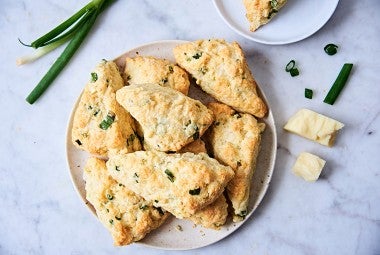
[100, 124]
[167, 118]
[221, 70]
[260, 12]
[146, 69]
[234, 140]
[127, 216]
[179, 183]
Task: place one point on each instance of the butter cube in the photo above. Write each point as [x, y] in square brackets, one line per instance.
[314, 126]
[308, 166]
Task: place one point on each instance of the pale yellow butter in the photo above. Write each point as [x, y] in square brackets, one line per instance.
[308, 166]
[314, 126]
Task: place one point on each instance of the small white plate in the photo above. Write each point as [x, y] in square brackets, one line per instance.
[191, 237]
[297, 20]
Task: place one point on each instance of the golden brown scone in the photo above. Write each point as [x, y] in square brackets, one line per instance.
[168, 119]
[140, 70]
[179, 183]
[221, 70]
[100, 124]
[234, 140]
[195, 147]
[212, 216]
[215, 214]
[127, 216]
[260, 12]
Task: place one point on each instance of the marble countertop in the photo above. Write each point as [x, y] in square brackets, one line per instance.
[41, 212]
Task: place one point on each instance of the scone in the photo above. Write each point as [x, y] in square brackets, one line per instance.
[197, 146]
[179, 183]
[168, 119]
[100, 124]
[234, 140]
[221, 70]
[212, 216]
[260, 12]
[127, 216]
[215, 214]
[140, 70]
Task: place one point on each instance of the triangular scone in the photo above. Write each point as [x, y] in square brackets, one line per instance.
[168, 119]
[100, 124]
[221, 70]
[260, 12]
[179, 183]
[141, 69]
[234, 140]
[215, 214]
[127, 216]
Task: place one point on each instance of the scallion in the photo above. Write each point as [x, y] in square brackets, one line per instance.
[74, 29]
[294, 72]
[107, 122]
[290, 65]
[330, 49]
[308, 93]
[194, 192]
[339, 84]
[170, 175]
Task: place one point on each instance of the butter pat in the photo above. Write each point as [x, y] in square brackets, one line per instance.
[308, 166]
[314, 126]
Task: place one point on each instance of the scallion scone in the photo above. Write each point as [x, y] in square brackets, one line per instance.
[234, 140]
[168, 119]
[127, 216]
[260, 12]
[215, 214]
[100, 124]
[221, 70]
[179, 183]
[140, 70]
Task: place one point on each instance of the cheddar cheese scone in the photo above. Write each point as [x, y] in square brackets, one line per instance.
[215, 214]
[179, 183]
[140, 70]
[260, 12]
[221, 70]
[234, 140]
[100, 124]
[168, 119]
[127, 216]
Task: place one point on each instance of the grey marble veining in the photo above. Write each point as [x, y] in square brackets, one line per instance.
[41, 213]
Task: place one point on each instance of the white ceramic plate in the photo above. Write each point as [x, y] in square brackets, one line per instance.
[297, 20]
[167, 236]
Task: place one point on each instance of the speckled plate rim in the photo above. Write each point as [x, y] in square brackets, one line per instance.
[236, 20]
[167, 237]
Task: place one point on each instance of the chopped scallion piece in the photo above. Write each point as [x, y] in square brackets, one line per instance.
[294, 72]
[308, 93]
[94, 77]
[339, 84]
[195, 191]
[169, 175]
[109, 196]
[290, 65]
[107, 122]
[331, 49]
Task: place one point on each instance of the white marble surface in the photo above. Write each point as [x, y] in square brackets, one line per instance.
[339, 214]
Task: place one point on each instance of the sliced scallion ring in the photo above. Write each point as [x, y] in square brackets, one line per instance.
[290, 65]
[331, 49]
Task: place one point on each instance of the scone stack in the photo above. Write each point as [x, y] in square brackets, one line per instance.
[156, 151]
